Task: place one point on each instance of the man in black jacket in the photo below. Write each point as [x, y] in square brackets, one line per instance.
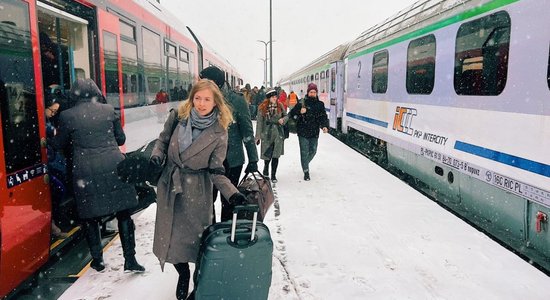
[310, 115]
[239, 132]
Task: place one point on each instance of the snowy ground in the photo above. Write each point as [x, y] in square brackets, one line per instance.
[352, 232]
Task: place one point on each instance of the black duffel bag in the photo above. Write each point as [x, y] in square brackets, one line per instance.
[136, 167]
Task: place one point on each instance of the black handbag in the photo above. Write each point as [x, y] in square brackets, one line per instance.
[136, 167]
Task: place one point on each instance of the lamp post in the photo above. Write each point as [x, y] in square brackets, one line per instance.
[266, 59]
[265, 71]
[270, 47]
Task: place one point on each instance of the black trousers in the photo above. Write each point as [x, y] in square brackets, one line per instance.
[234, 175]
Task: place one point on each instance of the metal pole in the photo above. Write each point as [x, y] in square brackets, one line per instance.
[265, 61]
[270, 47]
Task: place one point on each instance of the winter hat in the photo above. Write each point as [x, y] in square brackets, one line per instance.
[312, 86]
[214, 74]
[270, 93]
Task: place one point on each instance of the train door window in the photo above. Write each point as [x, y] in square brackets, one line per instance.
[110, 51]
[64, 49]
[128, 53]
[152, 52]
[548, 72]
[481, 55]
[421, 65]
[380, 72]
[17, 88]
[332, 79]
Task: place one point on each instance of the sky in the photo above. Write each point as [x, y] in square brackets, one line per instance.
[303, 30]
[353, 232]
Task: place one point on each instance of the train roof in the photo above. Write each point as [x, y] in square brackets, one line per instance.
[410, 19]
[331, 56]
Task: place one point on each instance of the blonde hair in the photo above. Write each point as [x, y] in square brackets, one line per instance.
[225, 116]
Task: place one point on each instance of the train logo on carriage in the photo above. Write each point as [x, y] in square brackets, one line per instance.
[402, 121]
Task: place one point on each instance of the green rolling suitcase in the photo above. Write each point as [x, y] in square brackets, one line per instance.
[235, 259]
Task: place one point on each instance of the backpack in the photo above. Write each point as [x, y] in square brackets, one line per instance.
[257, 189]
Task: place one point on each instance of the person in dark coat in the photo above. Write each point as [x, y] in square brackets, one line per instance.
[94, 131]
[240, 131]
[310, 115]
[194, 153]
[270, 133]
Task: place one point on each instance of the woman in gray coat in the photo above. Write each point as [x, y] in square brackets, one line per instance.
[270, 132]
[94, 131]
[194, 151]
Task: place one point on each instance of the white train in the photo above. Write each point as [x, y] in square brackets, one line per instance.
[457, 95]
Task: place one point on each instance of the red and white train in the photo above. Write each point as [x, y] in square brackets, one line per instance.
[132, 49]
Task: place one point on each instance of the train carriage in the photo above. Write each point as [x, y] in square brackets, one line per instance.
[455, 94]
[132, 49]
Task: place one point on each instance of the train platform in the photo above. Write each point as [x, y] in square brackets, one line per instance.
[353, 232]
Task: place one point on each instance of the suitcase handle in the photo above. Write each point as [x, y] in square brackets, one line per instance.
[254, 208]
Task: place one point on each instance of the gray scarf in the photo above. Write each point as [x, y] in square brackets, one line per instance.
[194, 126]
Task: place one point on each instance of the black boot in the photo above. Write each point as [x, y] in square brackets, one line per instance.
[183, 280]
[306, 176]
[274, 165]
[93, 237]
[126, 229]
[266, 168]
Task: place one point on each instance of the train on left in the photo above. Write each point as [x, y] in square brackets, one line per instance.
[140, 55]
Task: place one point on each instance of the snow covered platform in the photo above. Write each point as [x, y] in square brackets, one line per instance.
[352, 232]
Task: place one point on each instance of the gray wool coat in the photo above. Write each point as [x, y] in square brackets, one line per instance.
[271, 134]
[95, 132]
[184, 191]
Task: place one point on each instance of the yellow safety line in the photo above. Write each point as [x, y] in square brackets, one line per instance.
[88, 265]
[59, 241]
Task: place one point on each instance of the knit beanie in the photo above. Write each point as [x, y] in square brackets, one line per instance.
[214, 74]
[312, 86]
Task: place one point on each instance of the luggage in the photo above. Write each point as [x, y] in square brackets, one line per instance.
[136, 168]
[235, 260]
[257, 189]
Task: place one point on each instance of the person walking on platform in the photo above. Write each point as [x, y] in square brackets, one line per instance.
[270, 133]
[240, 131]
[310, 115]
[292, 100]
[283, 99]
[194, 152]
[94, 131]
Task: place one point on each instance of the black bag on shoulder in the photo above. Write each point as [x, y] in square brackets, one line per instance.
[136, 167]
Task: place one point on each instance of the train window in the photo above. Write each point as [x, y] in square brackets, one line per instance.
[380, 72]
[110, 51]
[481, 55]
[170, 50]
[316, 76]
[322, 75]
[127, 30]
[421, 65]
[17, 88]
[151, 50]
[184, 55]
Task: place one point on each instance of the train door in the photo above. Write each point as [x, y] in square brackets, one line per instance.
[336, 94]
[24, 193]
[110, 59]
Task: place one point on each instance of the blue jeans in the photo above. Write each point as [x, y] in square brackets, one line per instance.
[308, 148]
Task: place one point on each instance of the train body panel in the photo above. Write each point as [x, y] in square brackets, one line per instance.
[455, 94]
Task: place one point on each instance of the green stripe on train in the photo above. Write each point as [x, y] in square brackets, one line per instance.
[476, 11]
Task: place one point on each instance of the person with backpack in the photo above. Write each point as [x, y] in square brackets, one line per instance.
[270, 133]
[309, 115]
